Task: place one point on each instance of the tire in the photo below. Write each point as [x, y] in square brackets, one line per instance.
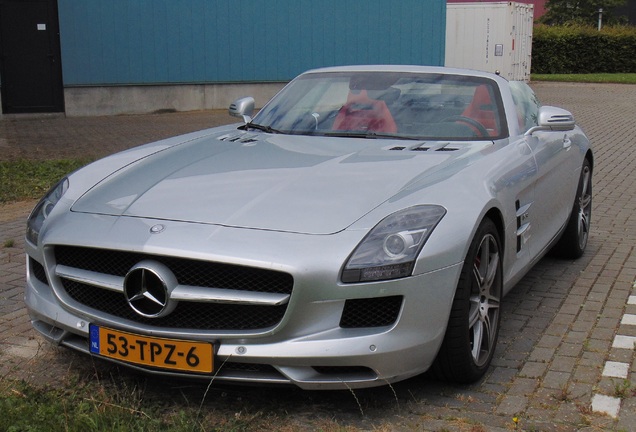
[573, 242]
[473, 326]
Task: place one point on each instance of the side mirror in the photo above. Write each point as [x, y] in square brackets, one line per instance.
[553, 119]
[243, 107]
[556, 118]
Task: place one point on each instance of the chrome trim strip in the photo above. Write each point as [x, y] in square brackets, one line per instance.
[180, 293]
[522, 229]
[523, 210]
[100, 280]
[220, 295]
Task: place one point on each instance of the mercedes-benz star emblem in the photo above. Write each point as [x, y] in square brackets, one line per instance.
[147, 288]
[156, 229]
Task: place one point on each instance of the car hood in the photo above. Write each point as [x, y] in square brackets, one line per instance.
[312, 185]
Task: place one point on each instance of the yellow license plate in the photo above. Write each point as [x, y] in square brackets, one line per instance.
[151, 351]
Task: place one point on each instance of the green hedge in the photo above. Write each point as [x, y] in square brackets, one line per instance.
[577, 50]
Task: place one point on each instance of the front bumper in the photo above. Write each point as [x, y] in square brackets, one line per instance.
[330, 358]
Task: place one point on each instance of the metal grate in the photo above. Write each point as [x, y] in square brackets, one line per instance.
[344, 371]
[371, 312]
[248, 367]
[187, 314]
[38, 271]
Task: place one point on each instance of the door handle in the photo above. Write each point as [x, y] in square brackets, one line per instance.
[567, 143]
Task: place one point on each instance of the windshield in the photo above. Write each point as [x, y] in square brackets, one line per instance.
[387, 104]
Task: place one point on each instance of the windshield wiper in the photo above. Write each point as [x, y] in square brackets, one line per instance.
[267, 129]
[368, 135]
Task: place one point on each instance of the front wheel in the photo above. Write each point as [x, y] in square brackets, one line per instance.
[473, 327]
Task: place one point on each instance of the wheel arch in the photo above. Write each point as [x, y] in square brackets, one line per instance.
[590, 157]
[495, 215]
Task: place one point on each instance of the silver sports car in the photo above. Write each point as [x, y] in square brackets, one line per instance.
[362, 228]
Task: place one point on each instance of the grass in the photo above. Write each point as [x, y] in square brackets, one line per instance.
[100, 397]
[91, 407]
[625, 78]
[26, 408]
[125, 405]
[623, 389]
[29, 179]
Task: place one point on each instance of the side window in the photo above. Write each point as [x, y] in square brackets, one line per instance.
[526, 103]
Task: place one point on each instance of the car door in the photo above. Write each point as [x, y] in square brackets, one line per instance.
[552, 153]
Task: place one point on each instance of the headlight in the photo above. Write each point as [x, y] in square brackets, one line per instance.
[43, 209]
[390, 249]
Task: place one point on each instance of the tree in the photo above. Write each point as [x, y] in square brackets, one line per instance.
[580, 11]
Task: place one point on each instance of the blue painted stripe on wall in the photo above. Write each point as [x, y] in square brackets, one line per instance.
[181, 41]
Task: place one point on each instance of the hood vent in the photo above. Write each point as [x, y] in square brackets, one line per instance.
[422, 148]
[240, 137]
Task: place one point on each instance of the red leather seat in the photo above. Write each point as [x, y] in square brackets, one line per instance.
[481, 109]
[362, 113]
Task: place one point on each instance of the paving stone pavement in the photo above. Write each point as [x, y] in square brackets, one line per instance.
[565, 359]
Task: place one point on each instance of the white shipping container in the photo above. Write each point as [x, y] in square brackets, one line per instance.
[493, 36]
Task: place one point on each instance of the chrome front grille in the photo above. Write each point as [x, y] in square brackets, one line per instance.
[226, 297]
